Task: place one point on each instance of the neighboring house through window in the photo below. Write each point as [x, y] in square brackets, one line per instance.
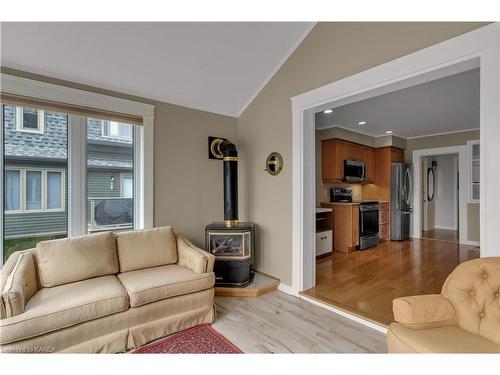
[28, 190]
[30, 120]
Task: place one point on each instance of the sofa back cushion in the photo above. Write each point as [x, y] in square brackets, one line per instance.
[146, 248]
[473, 289]
[78, 258]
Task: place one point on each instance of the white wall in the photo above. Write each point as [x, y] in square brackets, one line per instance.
[445, 200]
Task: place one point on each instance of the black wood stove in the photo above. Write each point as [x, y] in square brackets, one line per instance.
[231, 242]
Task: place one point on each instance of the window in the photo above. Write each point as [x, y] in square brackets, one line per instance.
[30, 120]
[110, 176]
[113, 129]
[34, 178]
[126, 186]
[33, 190]
[43, 190]
[12, 190]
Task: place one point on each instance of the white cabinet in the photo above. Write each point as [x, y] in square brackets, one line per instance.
[474, 170]
[323, 242]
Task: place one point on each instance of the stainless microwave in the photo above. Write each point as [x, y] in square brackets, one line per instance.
[354, 171]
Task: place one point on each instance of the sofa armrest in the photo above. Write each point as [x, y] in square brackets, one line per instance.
[20, 286]
[192, 257]
[421, 312]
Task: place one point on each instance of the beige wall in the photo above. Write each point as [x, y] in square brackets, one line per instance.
[434, 141]
[187, 185]
[330, 52]
[473, 221]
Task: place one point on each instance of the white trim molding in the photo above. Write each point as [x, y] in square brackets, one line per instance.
[462, 191]
[478, 46]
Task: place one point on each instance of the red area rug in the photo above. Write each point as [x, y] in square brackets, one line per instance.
[201, 339]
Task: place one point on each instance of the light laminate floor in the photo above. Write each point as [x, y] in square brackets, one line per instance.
[279, 323]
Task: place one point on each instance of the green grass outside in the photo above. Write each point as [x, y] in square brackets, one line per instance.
[13, 245]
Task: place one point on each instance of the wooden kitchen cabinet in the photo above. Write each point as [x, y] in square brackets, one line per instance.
[369, 159]
[335, 151]
[345, 226]
[383, 221]
[397, 155]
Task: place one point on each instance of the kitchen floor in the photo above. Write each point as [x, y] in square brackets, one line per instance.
[441, 234]
[365, 282]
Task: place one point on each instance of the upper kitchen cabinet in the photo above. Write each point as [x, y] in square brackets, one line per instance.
[335, 151]
[397, 155]
[332, 168]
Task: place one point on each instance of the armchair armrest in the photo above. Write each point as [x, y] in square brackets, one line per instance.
[427, 311]
[20, 286]
[192, 257]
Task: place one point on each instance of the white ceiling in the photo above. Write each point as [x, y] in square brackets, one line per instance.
[217, 67]
[443, 105]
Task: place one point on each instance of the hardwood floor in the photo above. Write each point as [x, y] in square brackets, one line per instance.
[366, 282]
[441, 234]
[279, 323]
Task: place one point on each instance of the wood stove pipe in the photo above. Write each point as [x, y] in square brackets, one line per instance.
[230, 159]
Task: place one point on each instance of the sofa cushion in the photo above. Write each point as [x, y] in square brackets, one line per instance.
[146, 248]
[78, 258]
[52, 309]
[20, 286]
[153, 284]
[437, 340]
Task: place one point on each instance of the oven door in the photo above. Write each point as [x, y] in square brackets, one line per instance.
[368, 220]
[354, 171]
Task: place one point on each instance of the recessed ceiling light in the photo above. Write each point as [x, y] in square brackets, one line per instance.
[388, 132]
[328, 111]
[362, 123]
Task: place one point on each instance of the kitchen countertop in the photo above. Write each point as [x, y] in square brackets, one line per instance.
[342, 203]
[322, 209]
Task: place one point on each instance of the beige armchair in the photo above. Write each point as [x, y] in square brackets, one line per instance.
[464, 318]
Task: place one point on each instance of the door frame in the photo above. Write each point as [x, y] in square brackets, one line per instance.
[482, 44]
[417, 155]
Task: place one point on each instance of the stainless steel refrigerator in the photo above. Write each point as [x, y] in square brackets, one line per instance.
[401, 200]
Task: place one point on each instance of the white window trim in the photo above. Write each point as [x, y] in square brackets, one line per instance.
[122, 177]
[20, 121]
[44, 198]
[103, 122]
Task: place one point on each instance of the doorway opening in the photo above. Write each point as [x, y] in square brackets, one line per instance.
[369, 151]
[440, 178]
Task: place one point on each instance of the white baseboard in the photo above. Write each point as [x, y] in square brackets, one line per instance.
[444, 227]
[288, 290]
[473, 243]
[345, 314]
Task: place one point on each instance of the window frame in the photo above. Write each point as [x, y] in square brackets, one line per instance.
[19, 118]
[44, 196]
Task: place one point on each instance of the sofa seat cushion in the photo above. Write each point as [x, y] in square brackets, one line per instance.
[438, 340]
[52, 309]
[153, 284]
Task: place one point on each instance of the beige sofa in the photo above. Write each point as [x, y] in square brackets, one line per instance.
[464, 318]
[104, 293]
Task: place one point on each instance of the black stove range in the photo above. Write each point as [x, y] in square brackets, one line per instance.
[368, 216]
